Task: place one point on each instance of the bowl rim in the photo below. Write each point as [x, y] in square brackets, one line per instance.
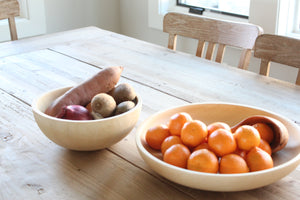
[39, 112]
[191, 172]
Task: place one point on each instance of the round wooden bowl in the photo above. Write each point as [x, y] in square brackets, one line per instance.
[83, 135]
[285, 161]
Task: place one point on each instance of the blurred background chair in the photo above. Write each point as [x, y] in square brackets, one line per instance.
[280, 49]
[9, 9]
[212, 31]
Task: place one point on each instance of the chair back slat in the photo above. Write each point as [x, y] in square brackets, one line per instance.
[220, 53]
[212, 31]
[279, 49]
[210, 50]
[200, 48]
[9, 9]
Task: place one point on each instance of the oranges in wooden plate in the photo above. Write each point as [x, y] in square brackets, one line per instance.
[222, 151]
[218, 158]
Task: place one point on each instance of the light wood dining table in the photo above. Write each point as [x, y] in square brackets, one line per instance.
[33, 167]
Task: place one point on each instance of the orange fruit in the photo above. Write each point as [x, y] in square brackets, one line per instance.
[193, 133]
[203, 145]
[257, 159]
[233, 163]
[241, 153]
[247, 137]
[265, 131]
[177, 155]
[222, 142]
[216, 125]
[264, 145]
[169, 141]
[203, 160]
[156, 135]
[89, 107]
[177, 121]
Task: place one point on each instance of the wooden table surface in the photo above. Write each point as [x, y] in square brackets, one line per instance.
[33, 167]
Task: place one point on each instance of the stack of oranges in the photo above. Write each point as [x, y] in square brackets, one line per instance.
[213, 148]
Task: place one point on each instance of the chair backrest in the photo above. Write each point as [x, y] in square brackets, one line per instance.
[279, 49]
[9, 9]
[212, 31]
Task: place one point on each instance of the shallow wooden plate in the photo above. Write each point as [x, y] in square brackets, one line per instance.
[285, 161]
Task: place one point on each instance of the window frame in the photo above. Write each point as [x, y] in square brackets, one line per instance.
[207, 9]
[267, 19]
[295, 29]
[158, 8]
[289, 18]
[296, 23]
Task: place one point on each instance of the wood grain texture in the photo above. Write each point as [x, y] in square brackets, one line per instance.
[210, 50]
[33, 166]
[206, 80]
[9, 9]
[220, 53]
[241, 35]
[45, 41]
[12, 28]
[200, 48]
[245, 59]
[280, 49]
[55, 172]
[50, 70]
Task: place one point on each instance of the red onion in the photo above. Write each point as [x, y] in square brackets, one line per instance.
[75, 112]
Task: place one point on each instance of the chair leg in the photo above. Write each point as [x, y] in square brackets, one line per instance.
[298, 78]
[12, 28]
[264, 67]
[172, 41]
[245, 59]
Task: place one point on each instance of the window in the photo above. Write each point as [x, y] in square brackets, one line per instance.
[238, 8]
[258, 14]
[296, 23]
[295, 15]
[289, 18]
[23, 8]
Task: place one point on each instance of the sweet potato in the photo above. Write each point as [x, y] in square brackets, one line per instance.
[102, 82]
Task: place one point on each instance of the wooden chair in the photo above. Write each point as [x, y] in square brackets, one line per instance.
[9, 9]
[212, 31]
[280, 49]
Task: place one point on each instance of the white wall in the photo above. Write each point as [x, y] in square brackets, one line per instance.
[134, 22]
[69, 14]
[49, 16]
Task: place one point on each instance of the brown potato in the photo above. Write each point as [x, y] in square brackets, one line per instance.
[124, 107]
[103, 104]
[123, 92]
